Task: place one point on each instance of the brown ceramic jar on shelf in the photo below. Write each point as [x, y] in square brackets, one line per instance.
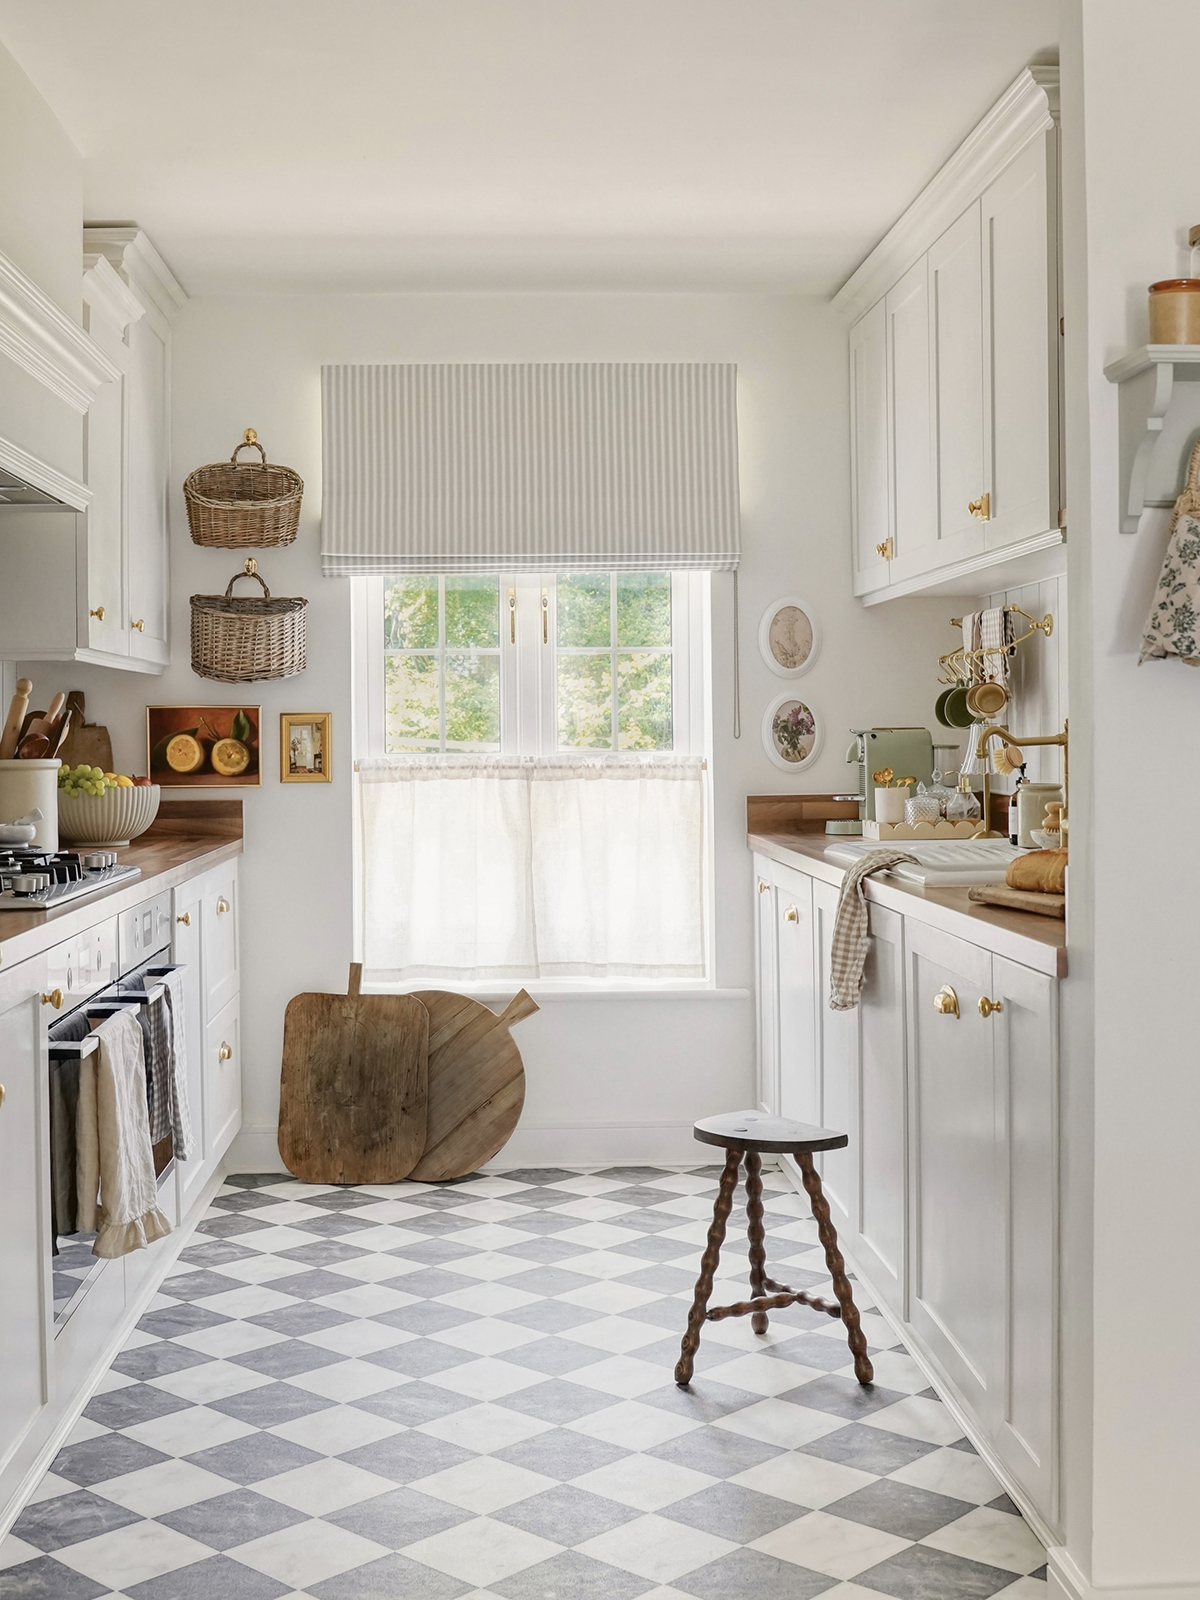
[1175, 311]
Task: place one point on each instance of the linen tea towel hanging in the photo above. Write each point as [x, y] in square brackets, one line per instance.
[1174, 621]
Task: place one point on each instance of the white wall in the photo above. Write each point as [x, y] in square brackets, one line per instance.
[1038, 680]
[608, 1078]
[1131, 1093]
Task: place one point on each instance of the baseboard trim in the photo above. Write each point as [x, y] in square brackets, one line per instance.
[1066, 1582]
[533, 1144]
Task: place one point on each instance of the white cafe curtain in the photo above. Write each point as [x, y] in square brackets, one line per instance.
[529, 467]
[562, 867]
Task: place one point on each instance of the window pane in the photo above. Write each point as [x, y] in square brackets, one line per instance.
[643, 608]
[584, 701]
[644, 702]
[583, 616]
[411, 702]
[472, 698]
[410, 614]
[473, 612]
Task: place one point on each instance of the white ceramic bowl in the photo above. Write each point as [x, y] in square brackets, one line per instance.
[112, 818]
[1044, 840]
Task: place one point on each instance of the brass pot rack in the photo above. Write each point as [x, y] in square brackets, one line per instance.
[977, 666]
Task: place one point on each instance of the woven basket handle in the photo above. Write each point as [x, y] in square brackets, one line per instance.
[257, 578]
[249, 441]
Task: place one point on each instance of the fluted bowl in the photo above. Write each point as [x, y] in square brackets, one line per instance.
[110, 819]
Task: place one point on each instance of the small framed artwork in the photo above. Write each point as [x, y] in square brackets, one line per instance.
[305, 746]
[788, 637]
[791, 733]
[204, 747]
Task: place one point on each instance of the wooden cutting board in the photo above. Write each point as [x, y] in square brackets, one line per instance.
[476, 1083]
[999, 894]
[87, 741]
[353, 1088]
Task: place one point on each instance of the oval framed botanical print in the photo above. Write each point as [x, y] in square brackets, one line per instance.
[788, 637]
[791, 733]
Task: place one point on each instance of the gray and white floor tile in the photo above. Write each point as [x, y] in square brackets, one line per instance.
[464, 1392]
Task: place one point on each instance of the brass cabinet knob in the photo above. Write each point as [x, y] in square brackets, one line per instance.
[763, 886]
[98, 613]
[791, 915]
[986, 1006]
[186, 919]
[139, 624]
[222, 904]
[886, 550]
[224, 1053]
[54, 998]
[1, 1094]
[945, 1002]
[981, 508]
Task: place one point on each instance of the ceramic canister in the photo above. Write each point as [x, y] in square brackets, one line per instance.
[26, 784]
[1175, 311]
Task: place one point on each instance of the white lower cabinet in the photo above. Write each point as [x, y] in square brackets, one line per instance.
[946, 1199]
[223, 1070]
[766, 966]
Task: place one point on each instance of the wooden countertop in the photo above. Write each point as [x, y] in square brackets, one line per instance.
[186, 838]
[1022, 936]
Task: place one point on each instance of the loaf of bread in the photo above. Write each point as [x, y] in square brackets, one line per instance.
[1043, 871]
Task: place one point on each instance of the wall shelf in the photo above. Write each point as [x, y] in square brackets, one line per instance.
[1159, 421]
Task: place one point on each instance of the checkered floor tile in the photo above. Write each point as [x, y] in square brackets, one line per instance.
[423, 1392]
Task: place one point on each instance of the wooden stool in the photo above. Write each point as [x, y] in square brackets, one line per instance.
[745, 1135]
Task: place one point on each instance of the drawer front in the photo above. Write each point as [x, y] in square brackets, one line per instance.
[223, 1080]
[144, 930]
[220, 938]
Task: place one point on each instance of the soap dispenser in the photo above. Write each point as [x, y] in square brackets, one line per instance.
[964, 807]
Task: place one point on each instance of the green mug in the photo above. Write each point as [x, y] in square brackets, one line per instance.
[956, 713]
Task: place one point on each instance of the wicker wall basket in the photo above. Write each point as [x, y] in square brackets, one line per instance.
[246, 641]
[242, 505]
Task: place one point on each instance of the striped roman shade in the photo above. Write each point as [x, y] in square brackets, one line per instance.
[529, 467]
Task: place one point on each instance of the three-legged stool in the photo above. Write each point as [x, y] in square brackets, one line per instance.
[745, 1135]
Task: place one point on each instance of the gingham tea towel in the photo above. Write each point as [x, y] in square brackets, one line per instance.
[851, 939]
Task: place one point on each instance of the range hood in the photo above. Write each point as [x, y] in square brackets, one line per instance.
[15, 491]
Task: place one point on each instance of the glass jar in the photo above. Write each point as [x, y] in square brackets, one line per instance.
[922, 806]
[964, 806]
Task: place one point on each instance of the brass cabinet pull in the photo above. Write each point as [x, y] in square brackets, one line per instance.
[1, 1094]
[945, 1002]
[886, 550]
[224, 1053]
[139, 624]
[98, 613]
[791, 915]
[981, 508]
[222, 904]
[986, 1006]
[763, 886]
[54, 998]
[186, 919]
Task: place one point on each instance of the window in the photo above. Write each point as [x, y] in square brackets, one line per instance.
[532, 792]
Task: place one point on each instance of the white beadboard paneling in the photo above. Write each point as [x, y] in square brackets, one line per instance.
[1039, 676]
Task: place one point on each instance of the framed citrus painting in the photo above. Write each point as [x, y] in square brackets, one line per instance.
[204, 747]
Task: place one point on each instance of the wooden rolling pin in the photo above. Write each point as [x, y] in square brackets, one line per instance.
[16, 716]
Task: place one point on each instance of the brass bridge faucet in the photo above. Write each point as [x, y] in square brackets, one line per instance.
[999, 731]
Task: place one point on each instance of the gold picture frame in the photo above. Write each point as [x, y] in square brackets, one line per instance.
[306, 747]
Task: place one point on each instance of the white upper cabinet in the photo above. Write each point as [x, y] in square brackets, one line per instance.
[954, 366]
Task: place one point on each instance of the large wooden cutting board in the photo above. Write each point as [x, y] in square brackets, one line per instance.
[476, 1083]
[353, 1088]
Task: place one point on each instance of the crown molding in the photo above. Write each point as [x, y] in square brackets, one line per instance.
[74, 495]
[38, 336]
[1026, 109]
[130, 252]
[108, 294]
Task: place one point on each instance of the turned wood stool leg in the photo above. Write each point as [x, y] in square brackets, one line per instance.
[757, 1237]
[855, 1337]
[708, 1266]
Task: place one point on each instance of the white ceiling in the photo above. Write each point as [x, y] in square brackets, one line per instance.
[384, 144]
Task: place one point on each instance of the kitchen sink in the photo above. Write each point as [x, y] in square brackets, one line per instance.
[940, 863]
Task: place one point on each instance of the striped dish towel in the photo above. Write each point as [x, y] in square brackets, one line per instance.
[851, 938]
[995, 637]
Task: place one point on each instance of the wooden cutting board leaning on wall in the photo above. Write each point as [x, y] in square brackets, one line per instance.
[352, 1094]
[476, 1083]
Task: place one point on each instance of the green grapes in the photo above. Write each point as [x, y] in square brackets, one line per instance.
[83, 780]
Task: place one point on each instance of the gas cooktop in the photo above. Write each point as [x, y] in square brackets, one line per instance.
[32, 879]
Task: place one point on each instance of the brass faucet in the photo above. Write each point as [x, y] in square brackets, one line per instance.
[981, 751]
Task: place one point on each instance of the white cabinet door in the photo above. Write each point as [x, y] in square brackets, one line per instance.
[187, 949]
[1025, 1035]
[837, 1067]
[914, 530]
[149, 468]
[103, 625]
[798, 1087]
[870, 511]
[220, 924]
[956, 367]
[223, 1073]
[766, 971]
[24, 1203]
[882, 1120]
[1021, 345]
[957, 1283]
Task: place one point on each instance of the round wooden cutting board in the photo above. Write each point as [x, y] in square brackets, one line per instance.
[476, 1083]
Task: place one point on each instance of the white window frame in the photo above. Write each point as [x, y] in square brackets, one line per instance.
[529, 696]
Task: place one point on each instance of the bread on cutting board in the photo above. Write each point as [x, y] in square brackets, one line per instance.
[1043, 871]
